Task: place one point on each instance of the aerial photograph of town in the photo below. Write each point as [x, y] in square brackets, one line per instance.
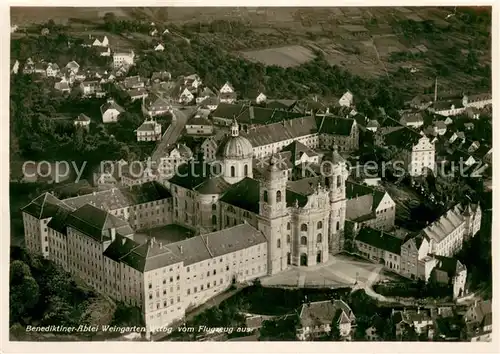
[250, 174]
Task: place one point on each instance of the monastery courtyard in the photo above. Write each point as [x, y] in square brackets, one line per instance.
[341, 270]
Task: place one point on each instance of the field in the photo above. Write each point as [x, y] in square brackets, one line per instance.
[26, 15]
[283, 56]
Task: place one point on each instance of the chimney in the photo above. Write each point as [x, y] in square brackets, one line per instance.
[180, 249]
[113, 233]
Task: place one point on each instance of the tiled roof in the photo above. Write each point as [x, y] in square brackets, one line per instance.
[95, 222]
[361, 200]
[228, 111]
[445, 225]
[197, 120]
[136, 92]
[115, 198]
[323, 312]
[380, 240]
[58, 221]
[286, 130]
[111, 105]
[403, 138]
[215, 185]
[154, 100]
[280, 104]
[298, 149]
[148, 126]
[45, 206]
[192, 175]
[336, 125]
[450, 266]
[305, 186]
[244, 194]
[233, 239]
[82, 118]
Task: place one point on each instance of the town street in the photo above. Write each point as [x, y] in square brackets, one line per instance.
[174, 131]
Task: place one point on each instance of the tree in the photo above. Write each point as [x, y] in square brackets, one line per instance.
[335, 330]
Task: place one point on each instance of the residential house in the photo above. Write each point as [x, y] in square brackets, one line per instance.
[199, 125]
[210, 104]
[13, 28]
[473, 112]
[82, 121]
[440, 127]
[446, 270]
[96, 42]
[52, 70]
[15, 67]
[29, 66]
[186, 96]
[366, 175]
[159, 47]
[123, 58]
[412, 119]
[137, 94]
[103, 51]
[172, 157]
[227, 93]
[91, 88]
[479, 321]
[379, 246]
[133, 82]
[161, 76]
[73, 66]
[40, 68]
[192, 81]
[261, 98]
[153, 32]
[469, 126]
[473, 146]
[420, 320]
[109, 174]
[346, 100]
[154, 105]
[370, 206]
[209, 149]
[150, 130]
[110, 111]
[204, 94]
[45, 32]
[62, 86]
[373, 125]
[316, 319]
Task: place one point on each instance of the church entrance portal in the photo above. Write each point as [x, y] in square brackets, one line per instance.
[318, 257]
[288, 258]
[303, 259]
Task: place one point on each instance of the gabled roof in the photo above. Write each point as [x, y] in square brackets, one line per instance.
[403, 138]
[380, 239]
[96, 223]
[336, 125]
[72, 65]
[298, 149]
[225, 241]
[451, 266]
[445, 225]
[82, 118]
[154, 100]
[113, 199]
[111, 105]
[285, 130]
[45, 206]
[320, 313]
[58, 221]
[148, 126]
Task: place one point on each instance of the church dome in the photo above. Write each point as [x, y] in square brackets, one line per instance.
[236, 146]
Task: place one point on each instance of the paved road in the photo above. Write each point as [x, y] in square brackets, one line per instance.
[174, 131]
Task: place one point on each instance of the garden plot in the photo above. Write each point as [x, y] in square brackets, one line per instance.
[288, 56]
